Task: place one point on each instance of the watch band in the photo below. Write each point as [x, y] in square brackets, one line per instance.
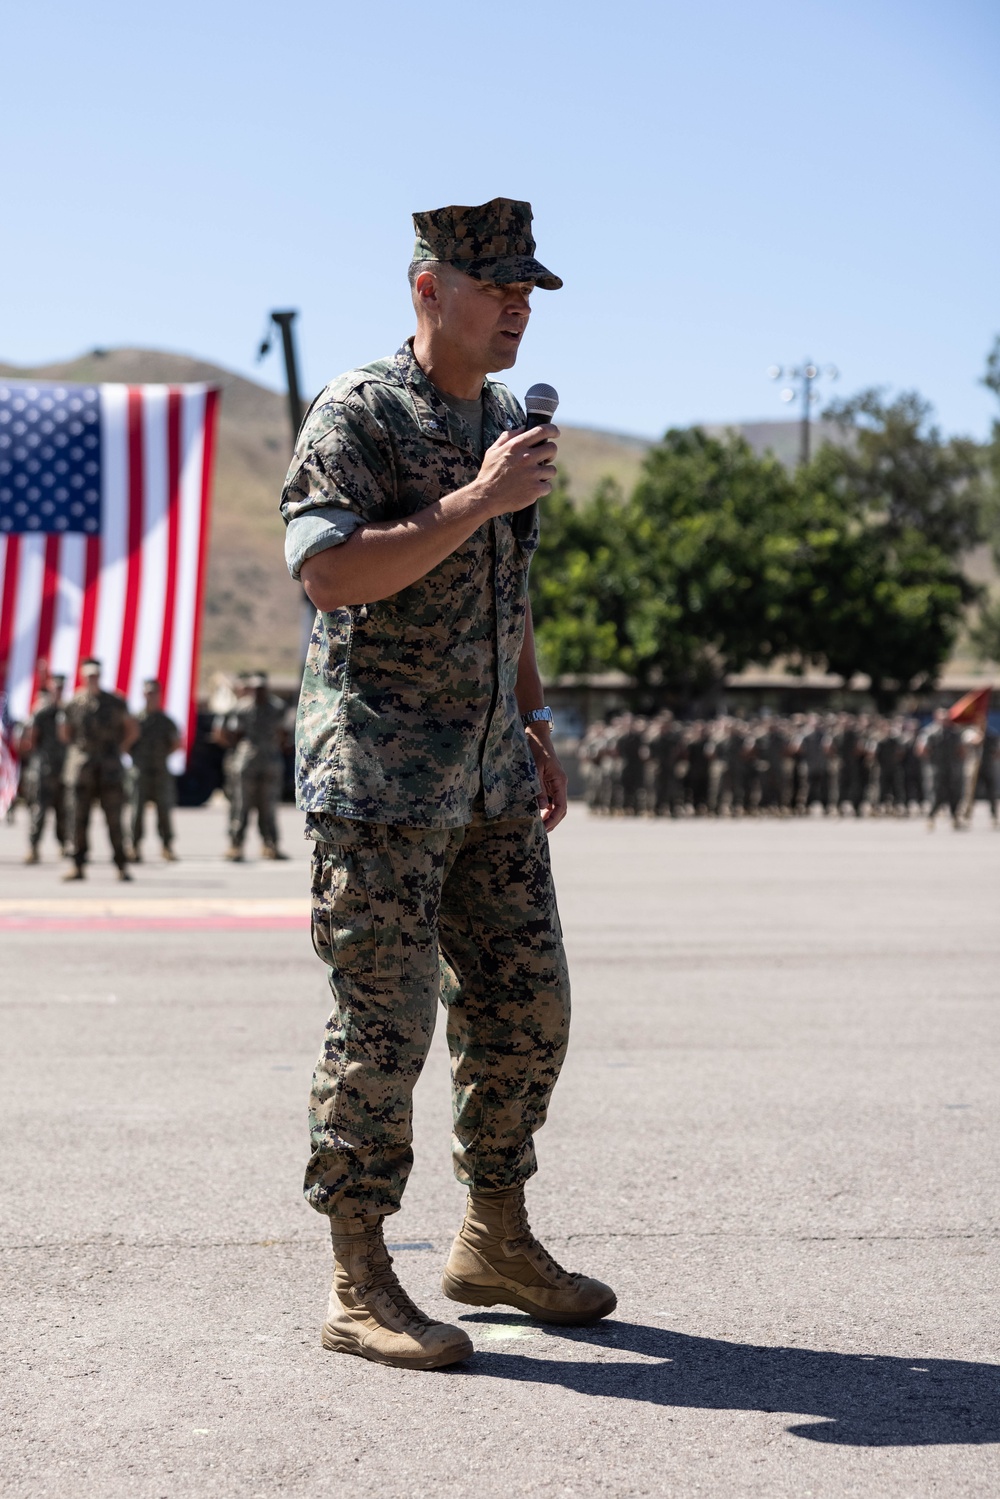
[538, 715]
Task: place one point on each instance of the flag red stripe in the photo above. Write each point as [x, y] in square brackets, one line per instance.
[8, 603]
[208, 454]
[135, 518]
[88, 610]
[47, 613]
[173, 530]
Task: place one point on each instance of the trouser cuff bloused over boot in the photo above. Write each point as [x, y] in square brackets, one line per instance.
[404, 916]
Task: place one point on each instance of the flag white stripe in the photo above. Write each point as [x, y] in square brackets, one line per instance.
[64, 655]
[24, 645]
[114, 532]
[192, 455]
[153, 592]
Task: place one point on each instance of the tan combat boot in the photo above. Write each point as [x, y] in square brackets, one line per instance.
[371, 1315]
[497, 1261]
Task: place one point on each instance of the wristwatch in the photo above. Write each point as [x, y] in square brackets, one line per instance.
[538, 715]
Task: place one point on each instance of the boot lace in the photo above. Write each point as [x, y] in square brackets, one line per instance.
[524, 1239]
[383, 1278]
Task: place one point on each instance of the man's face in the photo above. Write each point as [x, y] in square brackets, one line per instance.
[91, 679]
[152, 696]
[484, 322]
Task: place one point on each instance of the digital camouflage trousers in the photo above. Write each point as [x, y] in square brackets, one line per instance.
[255, 787]
[402, 917]
[93, 783]
[156, 786]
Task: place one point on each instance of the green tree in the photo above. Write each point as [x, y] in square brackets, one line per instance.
[869, 596]
[720, 558]
[905, 475]
[581, 582]
[680, 584]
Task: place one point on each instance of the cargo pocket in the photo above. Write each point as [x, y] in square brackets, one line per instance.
[355, 912]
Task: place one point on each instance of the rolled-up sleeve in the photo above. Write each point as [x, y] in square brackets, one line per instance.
[315, 532]
[340, 478]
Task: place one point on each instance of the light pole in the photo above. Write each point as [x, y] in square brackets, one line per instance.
[802, 376]
[284, 321]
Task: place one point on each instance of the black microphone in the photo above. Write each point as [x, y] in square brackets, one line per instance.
[540, 404]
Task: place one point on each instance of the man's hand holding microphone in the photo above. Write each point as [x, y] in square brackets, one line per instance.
[519, 469]
[383, 557]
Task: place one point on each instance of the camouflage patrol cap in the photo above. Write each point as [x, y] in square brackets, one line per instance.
[490, 243]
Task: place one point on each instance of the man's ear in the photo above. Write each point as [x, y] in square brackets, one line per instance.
[426, 290]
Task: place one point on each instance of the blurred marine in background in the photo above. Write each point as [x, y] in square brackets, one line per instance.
[150, 779]
[43, 757]
[852, 765]
[254, 737]
[98, 729]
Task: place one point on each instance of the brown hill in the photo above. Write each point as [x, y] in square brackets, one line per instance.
[253, 611]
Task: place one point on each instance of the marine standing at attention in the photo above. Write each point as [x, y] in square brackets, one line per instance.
[426, 771]
[42, 787]
[255, 730]
[98, 729]
[151, 780]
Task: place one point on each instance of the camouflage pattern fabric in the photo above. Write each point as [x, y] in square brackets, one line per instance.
[96, 724]
[391, 905]
[150, 780]
[255, 767]
[491, 242]
[408, 705]
[45, 792]
[93, 770]
[259, 727]
[157, 737]
[89, 786]
[254, 787]
[41, 778]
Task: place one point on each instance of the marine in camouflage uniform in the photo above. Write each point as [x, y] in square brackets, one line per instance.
[943, 754]
[42, 776]
[408, 720]
[812, 766]
[256, 731]
[150, 779]
[98, 728]
[421, 796]
[665, 743]
[631, 766]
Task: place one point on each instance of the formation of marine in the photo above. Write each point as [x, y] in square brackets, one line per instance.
[91, 750]
[844, 763]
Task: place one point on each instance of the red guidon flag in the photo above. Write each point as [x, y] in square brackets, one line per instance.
[973, 708]
[104, 507]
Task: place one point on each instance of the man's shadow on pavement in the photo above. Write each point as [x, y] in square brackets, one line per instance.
[865, 1401]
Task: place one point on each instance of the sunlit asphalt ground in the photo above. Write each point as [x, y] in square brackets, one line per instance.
[776, 1135]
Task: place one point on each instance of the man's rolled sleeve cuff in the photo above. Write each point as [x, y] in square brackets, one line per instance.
[306, 535]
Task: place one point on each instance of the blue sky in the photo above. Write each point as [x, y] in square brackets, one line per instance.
[722, 185]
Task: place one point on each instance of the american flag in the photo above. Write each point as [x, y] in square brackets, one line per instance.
[104, 507]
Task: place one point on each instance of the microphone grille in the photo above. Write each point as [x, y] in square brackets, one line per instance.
[541, 400]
